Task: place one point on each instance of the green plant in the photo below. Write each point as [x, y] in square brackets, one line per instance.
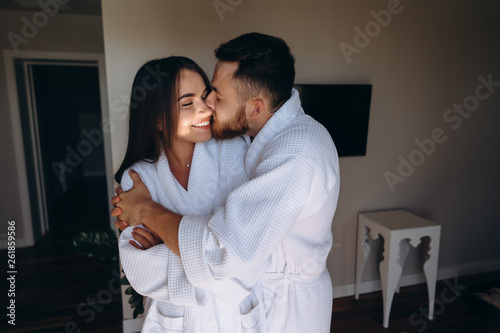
[104, 245]
[101, 244]
[135, 300]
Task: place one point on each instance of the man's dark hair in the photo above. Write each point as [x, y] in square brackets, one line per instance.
[266, 66]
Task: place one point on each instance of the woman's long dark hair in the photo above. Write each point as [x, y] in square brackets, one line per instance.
[153, 109]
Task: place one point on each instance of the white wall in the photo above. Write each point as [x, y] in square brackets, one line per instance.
[62, 33]
[425, 60]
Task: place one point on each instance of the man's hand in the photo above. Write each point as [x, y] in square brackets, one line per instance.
[118, 223]
[137, 207]
[133, 204]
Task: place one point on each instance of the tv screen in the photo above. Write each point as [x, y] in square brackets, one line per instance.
[344, 109]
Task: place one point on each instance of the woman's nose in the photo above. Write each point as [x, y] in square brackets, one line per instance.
[205, 108]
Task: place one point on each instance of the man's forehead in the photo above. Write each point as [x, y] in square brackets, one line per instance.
[224, 70]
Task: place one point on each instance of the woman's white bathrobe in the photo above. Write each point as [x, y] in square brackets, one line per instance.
[172, 303]
[275, 229]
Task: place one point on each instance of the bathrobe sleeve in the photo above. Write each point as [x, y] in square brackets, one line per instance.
[145, 270]
[238, 240]
[158, 272]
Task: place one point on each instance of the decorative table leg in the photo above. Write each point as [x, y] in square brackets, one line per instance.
[361, 256]
[390, 272]
[430, 270]
[404, 249]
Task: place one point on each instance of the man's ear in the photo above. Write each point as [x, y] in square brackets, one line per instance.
[256, 107]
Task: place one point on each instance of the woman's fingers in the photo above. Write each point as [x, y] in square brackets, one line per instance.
[141, 236]
[142, 240]
[157, 238]
[134, 244]
[147, 235]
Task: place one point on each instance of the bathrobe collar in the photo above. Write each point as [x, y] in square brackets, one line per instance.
[277, 123]
[199, 196]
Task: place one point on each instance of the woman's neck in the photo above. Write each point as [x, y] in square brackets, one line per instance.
[180, 153]
[179, 157]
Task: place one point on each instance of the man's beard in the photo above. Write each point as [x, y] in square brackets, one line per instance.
[231, 128]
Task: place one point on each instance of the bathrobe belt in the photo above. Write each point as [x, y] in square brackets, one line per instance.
[295, 279]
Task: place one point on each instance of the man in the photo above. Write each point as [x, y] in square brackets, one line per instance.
[274, 230]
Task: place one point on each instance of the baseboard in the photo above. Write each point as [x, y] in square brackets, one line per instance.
[132, 325]
[411, 279]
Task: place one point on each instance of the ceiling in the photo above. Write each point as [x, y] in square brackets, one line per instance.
[83, 7]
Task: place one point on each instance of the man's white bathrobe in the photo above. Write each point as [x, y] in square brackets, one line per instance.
[275, 229]
[173, 304]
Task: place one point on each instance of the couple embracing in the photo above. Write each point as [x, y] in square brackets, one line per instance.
[228, 192]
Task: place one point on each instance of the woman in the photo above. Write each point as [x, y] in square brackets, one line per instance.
[186, 171]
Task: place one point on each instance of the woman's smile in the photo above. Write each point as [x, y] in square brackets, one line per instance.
[204, 124]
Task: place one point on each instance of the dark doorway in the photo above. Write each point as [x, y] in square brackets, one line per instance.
[63, 136]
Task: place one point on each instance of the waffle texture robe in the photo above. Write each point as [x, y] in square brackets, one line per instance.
[275, 230]
[172, 303]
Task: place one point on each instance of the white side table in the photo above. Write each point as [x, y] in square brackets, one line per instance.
[397, 227]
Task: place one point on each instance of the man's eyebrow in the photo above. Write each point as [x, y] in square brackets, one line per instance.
[185, 95]
[215, 89]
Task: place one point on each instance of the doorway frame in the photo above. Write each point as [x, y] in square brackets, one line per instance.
[12, 96]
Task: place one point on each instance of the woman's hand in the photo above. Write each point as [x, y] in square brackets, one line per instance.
[146, 238]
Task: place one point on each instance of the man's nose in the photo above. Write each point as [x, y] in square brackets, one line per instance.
[210, 100]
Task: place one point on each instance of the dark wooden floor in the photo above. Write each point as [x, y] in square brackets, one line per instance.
[57, 290]
[465, 313]
[56, 287]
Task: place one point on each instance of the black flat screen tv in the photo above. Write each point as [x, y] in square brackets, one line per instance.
[344, 109]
